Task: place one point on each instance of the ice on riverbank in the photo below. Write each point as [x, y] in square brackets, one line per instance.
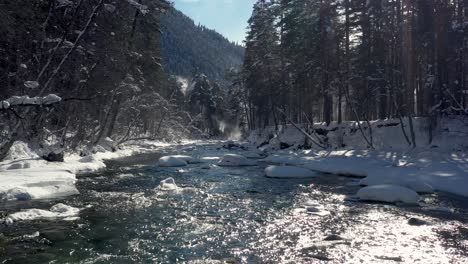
[285, 172]
[58, 211]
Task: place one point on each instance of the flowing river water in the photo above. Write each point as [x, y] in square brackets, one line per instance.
[232, 215]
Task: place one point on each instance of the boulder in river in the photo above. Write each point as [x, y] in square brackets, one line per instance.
[54, 157]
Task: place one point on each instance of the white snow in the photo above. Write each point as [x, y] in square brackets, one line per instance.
[31, 84]
[236, 160]
[171, 161]
[288, 172]
[439, 166]
[388, 193]
[25, 176]
[26, 100]
[58, 211]
[168, 185]
[26, 184]
[402, 176]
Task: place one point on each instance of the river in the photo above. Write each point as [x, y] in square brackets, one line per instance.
[232, 215]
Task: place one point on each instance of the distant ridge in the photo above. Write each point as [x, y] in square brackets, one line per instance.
[188, 48]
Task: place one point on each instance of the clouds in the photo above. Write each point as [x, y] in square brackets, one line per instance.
[228, 17]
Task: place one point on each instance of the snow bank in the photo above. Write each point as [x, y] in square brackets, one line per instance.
[389, 194]
[58, 211]
[348, 166]
[402, 176]
[25, 176]
[171, 161]
[288, 172]
[27, 184]
[168, 185]
[235, 160]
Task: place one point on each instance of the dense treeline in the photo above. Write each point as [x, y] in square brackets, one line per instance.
[188, 49]
[101, 57]
[336, 60]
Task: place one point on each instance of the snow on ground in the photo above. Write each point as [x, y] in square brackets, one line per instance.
[440, 166]
[288, 172]
[58, 211]
[24, 175]
[388, 193]
[235, 160]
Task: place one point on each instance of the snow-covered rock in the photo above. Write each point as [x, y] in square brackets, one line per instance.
[188, 159]
[60, 211]
[405, 180]
[235, 160]
[288, 172]
[388, 193]
[170, 161]
[168, 185]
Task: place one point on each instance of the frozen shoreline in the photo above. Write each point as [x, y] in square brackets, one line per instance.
[26, 176]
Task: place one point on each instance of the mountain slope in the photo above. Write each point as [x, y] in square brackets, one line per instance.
[187, 48]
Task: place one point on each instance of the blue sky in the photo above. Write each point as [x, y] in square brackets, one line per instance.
[228, 17]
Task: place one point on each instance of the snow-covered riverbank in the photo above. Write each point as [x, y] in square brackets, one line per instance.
[439, 166]
[24, 175]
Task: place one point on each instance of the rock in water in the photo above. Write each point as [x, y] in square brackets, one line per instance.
[55, 157]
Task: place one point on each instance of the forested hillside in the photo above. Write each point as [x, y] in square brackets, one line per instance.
[356, 60]
[188, 48]
[76, 72]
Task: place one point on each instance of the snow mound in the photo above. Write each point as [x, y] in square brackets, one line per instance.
[168, 185]
[20, 150]
[235, 160]
[388, 193]
[170, 161]
[288, 172]
[58, 211]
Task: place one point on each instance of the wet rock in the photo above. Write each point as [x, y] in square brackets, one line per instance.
[417, 222]
[55, 157]
[284, 145]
